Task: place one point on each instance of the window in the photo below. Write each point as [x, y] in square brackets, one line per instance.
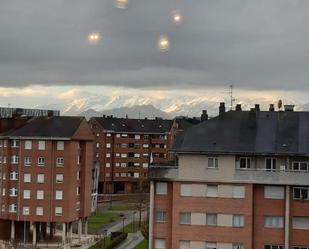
[160, 216]
[160, 244]
[40, 195]
[136, 175]
[108, 145]
[301, 166]
[28, 145]
[14, 176]
[212, 191]
[107, 174]
[238, 246]
[58, 211]
[238, 192]
[27, 177]
[109, 135]
[78, 175]
[211, 219]
[59, 194]
[124, 135]
[27, 160]
[273, 247]
[59, 178]
[184, 244]
[12, 208]
[60, 145]
[211, 245]
[301, 193]
[185, 190]
[15, 143]
[14, 159]
[137, 155]
[273, 192]
[245, 163]
[145, 145]
[273, 222]
[39, 211]
[3, 192]
[271, 164]
[301, 223]
[185, 218]
[238, 220]
[300, 247]
[60, 161]
[78, 191]
[108, 155]
[40, 178]
[161, 188]
[27, 194]
[41, 145]
[41, 161]
[123, 155]
[145, 165]
[13, 192]
[98, 134]
[212, 162]
[123, 165]
[26, 210]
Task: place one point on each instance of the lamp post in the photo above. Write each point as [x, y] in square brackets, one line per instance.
[134, 221]
[123, 219]
[104, 239]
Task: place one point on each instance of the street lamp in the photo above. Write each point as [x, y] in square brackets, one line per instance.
[123, 219]
[134, 221]
[104, 234]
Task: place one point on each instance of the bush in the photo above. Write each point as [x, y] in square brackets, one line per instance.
[117, 240]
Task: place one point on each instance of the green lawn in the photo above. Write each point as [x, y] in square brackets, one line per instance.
[119, 208]
[100, 245]
[129, 228]
[142, 245]
[95, 221]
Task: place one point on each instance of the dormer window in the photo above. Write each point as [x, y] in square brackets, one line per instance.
[245, 163]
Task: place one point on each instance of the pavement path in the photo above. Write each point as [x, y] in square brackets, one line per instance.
[132, 241]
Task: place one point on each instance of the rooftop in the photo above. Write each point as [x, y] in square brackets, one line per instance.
[254, 131]
[150, 126]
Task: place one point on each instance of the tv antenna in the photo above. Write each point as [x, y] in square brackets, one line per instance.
[232, 99]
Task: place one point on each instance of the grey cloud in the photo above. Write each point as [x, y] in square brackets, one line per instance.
[253, 44]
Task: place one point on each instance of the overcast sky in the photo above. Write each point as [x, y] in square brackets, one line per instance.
[254, 44]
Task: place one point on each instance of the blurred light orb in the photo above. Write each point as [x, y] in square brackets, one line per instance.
[94, 38]
[176, 16]
[163, 43]
[121, 4]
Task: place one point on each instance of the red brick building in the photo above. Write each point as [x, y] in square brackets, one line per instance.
[242, 182]
[46, 167]
[125, 147]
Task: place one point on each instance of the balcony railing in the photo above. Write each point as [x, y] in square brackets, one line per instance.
[163, 172]
[267, 176]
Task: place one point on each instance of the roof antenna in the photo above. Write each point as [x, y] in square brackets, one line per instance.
[232, 99]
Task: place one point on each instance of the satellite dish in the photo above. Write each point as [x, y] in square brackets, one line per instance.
[279, 104]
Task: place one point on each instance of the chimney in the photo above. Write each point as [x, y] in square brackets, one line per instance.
[50, 114]
[238, 107]
[222, 108]
[204, 116]
[127, 116]
[257, 107]
[289, 108]
[271, 107]
[104, 116]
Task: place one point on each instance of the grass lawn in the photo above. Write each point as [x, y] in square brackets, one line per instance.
[142, 245]
[119, 208]
[129, 228]
[100, 245]
[95, 221]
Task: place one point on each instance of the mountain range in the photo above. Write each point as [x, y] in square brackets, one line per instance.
[139, 106]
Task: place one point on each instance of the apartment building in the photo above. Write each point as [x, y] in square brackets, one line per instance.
[46, 177]
[125, 147]
[242, 182]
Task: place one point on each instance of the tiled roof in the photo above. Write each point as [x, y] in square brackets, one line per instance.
[57, 126]
[135, 125]
[257, 132]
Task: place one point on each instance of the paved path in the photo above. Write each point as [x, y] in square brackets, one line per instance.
[132, 241]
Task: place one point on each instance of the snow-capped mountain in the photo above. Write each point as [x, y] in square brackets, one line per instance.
[135, 106]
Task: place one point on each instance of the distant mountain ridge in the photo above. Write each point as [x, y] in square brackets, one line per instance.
[136, 111]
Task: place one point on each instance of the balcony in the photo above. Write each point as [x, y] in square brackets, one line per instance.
[166, 172]
[278, 177]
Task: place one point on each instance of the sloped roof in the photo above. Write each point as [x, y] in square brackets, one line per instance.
[256, 132]
[56, 126]
[135, 125]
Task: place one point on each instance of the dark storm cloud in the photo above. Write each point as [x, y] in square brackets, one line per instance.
[253, 44]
